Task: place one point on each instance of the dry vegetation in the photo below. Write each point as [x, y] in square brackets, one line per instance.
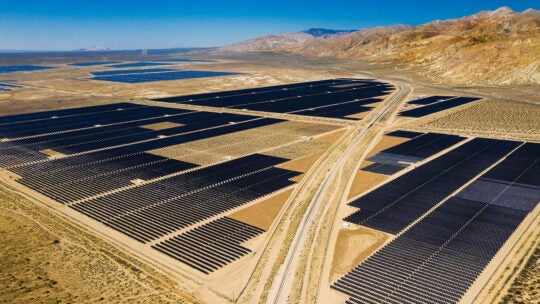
[352, 247]
[499, 47]
[385, 143]
[526, 286]
[45, 259]
[491, 118]
[364, 181]
[52, 153]
[220, 148]
[264, 213]
[162, 126]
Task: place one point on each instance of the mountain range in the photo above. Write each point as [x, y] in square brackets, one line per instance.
[283, 40]
[490, 47]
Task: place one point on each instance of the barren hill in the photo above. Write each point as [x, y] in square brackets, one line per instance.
[490, 47]
[284, 40]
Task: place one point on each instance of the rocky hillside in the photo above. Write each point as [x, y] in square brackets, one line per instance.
[496, 47]
[490, 47]
[284, 40]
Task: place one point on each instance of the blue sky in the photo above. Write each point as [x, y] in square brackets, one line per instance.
[134, 24]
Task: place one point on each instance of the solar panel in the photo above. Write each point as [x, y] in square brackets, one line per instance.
[163, 76]
[137, 64]
[404, 134]
[430, 100]
[122, 72]
[84, 64]
[181, 60]
[22, 68]
[334, 98]
[437, 107]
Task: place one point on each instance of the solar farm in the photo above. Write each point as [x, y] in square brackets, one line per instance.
[4, 86]
[445, 237]
[22, 68]
[104, 162]
[330, 190]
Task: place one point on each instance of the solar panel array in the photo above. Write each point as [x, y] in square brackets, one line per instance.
[514, 183]
[125, 72]
[137, 64]
[335, 98]
[437, 107]
[210, 246]
[439, 258]
[8, 86]
[103, 128]
[404, 134]
[86, 64]
[419, 147]
[161, 76]
[94, 160]
[153, 210]
[181, 60]
[22, 68]
[67, 182]
[430, 100]
[382, 168]
[395, 205]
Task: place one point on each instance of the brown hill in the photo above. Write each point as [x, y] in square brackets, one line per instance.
[495, 47]
[490, 47]
[284, 40]
[269, 42]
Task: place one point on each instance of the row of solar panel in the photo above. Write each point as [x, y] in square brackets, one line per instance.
[422, 146]
[141, 195]
[22, 68]
[339, 98]
[211, 246]
[73, 132]
[155, 209]
[8, 86]
[161, 76]
[431, 106]
[436, 260]
[151, 62]
[393, 206]
[267, 93]
[439, 258]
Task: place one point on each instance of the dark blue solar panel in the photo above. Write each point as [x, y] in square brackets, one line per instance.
[337, 111]
[430, 100]
[335, 98]
[395, 205]
[9, 85]
[83, 64]
[22, 68]
[404, 134]
[385, 169]
[285, 90]
[121, 72]
[58, 114]
[425, 145]
[437, 107]
[437, 259]
[181, 60]
[517, 166]
[151, 77]
[137, 64]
